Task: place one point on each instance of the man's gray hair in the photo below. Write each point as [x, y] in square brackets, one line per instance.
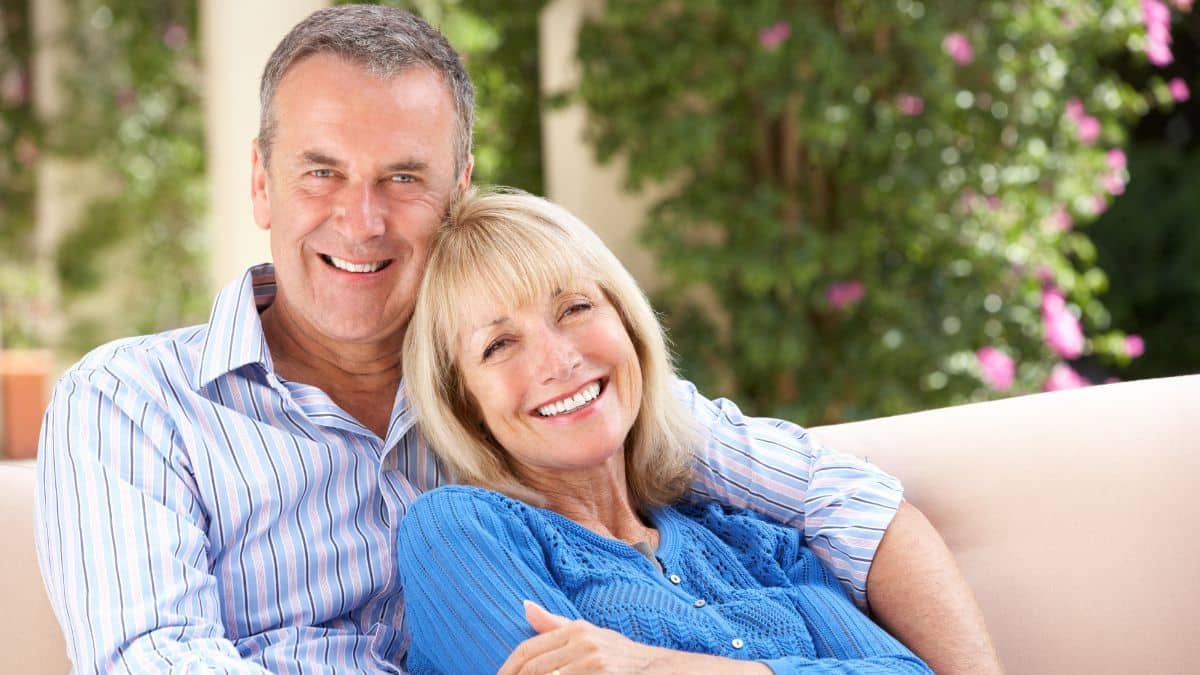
[385, 41]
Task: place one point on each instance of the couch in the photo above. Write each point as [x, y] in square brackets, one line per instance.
[1072, 514]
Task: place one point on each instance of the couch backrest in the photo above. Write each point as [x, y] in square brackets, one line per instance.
[30, 639]
[1072, 514]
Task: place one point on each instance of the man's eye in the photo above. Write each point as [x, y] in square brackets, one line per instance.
[321, 173]
[495, 346]
[403, 178]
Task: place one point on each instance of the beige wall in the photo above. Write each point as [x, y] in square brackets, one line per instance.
[573, 177]
[238, 38]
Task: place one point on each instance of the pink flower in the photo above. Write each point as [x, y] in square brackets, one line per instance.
[1114, 182]
[14, 88]
[998, 368]
[1159, 53]
[959, 48]
[1116, 158]
[175, 36]
[1075, 110]
[774, 35]
[1099, 204]
[1179, 90]
[1135, 346]
[910, 105]
[27, 151]
[1183, 5]
[1088, 129]
[1060, 219]
[1063, 377]
[1062, 329]
[842, 294]
[1157, 18]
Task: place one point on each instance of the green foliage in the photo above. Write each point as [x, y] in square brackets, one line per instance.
[20, 140]
[499, 43]
[135, 113]
[810, 147]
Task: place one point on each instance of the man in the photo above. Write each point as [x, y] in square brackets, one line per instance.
[227, 496]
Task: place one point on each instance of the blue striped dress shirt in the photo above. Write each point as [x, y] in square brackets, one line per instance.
[196, 512]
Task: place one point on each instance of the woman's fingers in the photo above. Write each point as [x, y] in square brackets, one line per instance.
[542, 620]
[533, 648]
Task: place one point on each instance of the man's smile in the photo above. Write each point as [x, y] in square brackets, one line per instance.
[357, 268]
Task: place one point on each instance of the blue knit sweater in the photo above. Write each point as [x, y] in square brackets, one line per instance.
[733, 585]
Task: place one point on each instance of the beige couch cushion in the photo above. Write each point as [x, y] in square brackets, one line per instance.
[1073, 514]
[30, 640]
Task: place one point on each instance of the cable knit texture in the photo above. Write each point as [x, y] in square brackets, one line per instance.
[733, 585]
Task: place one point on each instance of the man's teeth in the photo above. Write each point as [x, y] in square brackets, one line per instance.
[360, 268]
[584, 397]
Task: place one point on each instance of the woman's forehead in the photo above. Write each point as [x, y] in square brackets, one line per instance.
[491, 307]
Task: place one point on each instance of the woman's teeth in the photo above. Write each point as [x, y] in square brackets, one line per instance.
[584, 397]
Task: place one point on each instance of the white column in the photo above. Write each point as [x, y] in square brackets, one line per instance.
[64, 186]
[238, 37]
[592, 191]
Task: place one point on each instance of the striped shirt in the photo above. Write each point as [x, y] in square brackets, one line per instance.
[196, 511]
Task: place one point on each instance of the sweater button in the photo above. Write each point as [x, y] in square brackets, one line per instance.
[699, 603]
[737, 643]
[674, 578]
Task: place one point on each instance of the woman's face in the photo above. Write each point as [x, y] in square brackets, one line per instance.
[556, 381]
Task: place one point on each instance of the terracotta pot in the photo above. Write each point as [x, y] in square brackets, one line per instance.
[24, 387]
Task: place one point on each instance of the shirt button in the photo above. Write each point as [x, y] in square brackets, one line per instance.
[737, 643]
[699, 603]
[675, 578]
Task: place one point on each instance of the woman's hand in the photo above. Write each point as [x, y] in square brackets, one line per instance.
[565, 647]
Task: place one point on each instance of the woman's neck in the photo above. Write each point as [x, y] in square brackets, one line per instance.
[596, 498]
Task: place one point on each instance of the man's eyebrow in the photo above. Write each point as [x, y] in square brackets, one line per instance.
[407, 165]
[316, 157]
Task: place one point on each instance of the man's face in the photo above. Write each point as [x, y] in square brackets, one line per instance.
[362, 170]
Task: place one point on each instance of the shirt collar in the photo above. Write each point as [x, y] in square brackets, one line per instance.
[235, 334]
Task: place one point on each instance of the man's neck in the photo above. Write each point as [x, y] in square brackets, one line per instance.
[361, 378]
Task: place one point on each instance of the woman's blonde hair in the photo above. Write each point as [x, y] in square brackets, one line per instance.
[507, 248]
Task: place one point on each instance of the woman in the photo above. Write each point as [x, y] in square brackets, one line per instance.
[538, 370]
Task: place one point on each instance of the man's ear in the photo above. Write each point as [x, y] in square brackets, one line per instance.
[258, 187]
[464, 181]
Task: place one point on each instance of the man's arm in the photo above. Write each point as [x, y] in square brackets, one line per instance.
[121, 536]
[844, 506]
[918, 594]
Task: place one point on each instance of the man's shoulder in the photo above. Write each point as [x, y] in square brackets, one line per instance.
[172, 354]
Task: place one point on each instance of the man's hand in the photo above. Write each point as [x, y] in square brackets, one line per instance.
[565, 647]
[917, 593]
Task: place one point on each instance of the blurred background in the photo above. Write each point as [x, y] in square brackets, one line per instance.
[841, 209]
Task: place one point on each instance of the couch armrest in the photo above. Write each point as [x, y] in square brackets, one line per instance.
[1072, 514]
[30, 639]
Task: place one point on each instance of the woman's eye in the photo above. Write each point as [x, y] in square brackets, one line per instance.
[494, 346]
[577, 307]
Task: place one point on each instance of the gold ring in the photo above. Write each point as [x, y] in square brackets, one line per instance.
[555, 672]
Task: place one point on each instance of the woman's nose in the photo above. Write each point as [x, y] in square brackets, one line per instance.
[560, 357]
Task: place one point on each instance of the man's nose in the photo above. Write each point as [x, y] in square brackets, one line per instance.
[360, 211]
[560, 357]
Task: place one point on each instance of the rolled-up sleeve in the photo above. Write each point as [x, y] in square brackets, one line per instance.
[841, 503]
